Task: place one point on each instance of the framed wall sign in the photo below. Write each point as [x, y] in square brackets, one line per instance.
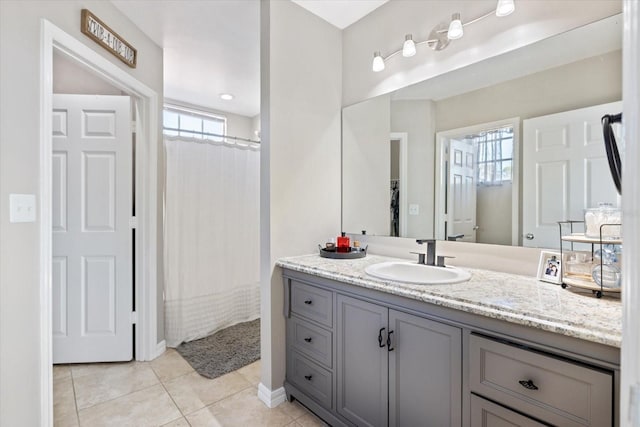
[100, 32]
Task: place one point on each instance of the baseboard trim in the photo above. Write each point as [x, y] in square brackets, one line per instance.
[161, 347]
[271, 398]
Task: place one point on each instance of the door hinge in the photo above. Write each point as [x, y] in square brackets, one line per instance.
[133, 222]
[133, 126]
[134, 317]
[634, 404]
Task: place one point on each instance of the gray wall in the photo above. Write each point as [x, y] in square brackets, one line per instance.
[20, 23]
[493, 213]
[591, 81]
[71, 78]
[417, 119]
[300, 155]
[365, 175]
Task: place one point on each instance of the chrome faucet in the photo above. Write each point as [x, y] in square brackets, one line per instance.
[431, 252]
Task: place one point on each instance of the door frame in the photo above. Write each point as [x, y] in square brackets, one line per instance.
[442, 141]
[630, 351]
[146, 346]
[403, 138]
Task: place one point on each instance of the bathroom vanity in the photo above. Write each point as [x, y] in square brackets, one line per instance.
[497, 350]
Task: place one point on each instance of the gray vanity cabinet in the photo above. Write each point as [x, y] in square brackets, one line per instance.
[362, 362]
[425, 379]
[358, 357]
[485, 413]
[395, 368]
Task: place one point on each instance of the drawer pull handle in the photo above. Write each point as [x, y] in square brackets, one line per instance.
[528, 384]
[308, 339]
[380, 339]
[389, 348]
[308, 377]
[308, 302]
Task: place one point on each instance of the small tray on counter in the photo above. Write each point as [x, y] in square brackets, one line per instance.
[353, 253]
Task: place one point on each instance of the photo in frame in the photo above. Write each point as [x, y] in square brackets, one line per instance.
[550, 267]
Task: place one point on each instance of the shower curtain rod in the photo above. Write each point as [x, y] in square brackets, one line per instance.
[237, 138]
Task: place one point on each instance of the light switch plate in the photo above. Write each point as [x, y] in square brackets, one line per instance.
[414, 209]
[22, 208]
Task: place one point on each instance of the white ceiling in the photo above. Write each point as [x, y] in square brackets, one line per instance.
[340, 13]
[213, 46]
[210, 47]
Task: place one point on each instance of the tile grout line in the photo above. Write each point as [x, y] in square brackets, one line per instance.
[169, 394]
[116, 397]
[75, 397]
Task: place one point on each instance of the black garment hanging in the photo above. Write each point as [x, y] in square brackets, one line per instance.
[611, 147]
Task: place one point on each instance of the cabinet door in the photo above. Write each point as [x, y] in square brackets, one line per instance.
[487, 414]
[425, 363]
[362, 370]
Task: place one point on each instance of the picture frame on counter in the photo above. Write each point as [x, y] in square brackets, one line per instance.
[550, 267]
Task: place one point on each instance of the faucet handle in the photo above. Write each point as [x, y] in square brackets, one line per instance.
[421, 255]
[421, 241]
[441, 259]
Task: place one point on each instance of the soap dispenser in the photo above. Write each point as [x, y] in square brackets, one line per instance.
[344, 244]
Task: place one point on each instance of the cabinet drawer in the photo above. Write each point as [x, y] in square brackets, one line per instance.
[550, 389]
[487, 414]
[310, 378]
[312, 341]
[313, 303]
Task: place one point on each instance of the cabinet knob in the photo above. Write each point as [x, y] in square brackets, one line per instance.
[528, 384]
[308, 377]
[380, 339]
[308, 339]
[308, 302]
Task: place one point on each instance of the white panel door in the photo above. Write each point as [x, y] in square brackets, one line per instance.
[564, 171]
[461, 206]
[92, 240]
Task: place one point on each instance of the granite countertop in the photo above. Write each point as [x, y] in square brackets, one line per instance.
[509, 297]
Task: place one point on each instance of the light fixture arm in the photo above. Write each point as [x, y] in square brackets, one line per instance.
[480, 18]
[391, 55]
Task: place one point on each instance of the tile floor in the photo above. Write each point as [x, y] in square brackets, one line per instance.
[165, 392]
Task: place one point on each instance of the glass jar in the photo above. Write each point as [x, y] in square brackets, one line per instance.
[595, 218]
[607, 275]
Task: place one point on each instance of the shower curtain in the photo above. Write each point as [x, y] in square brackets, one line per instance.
[211, 239]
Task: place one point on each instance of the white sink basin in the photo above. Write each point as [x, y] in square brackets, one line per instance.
[412, 272]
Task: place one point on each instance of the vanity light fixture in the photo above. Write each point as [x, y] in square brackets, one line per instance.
[378, 62]
[409, 47]
[455, 30]
[505, 7]
[441, 35]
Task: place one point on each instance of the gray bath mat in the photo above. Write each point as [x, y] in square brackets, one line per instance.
[225, 351]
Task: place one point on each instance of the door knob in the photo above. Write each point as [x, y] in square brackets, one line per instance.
[477, 227]
[529, 236]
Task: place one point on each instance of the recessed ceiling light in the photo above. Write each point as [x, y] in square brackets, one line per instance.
[226, 96]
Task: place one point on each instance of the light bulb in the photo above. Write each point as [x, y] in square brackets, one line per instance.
[505, 7]
[226, 96]
[378, 62]
[409, 47]
[455, 27]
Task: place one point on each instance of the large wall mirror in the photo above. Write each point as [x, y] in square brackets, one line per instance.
[401, 150]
